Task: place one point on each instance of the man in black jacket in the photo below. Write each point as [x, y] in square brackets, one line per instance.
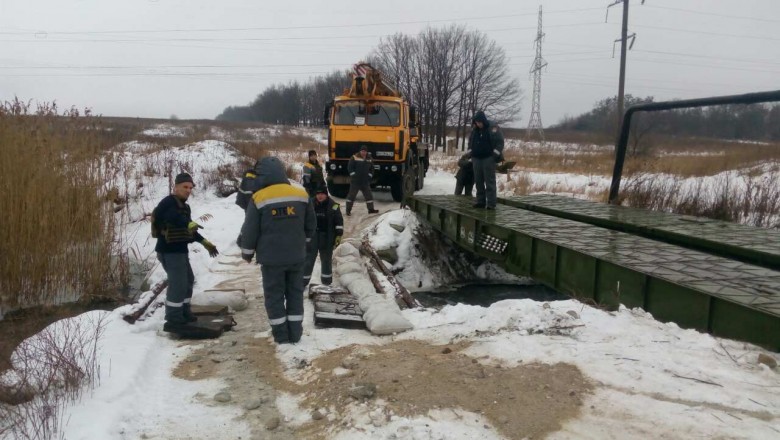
[486, 146]
[175, 231]
[278, 225]
[464, 179]
[330, 228]
[313, 177]
[361, 171]
[249, 184]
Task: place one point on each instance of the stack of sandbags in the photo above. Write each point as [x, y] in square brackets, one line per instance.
[382, 315]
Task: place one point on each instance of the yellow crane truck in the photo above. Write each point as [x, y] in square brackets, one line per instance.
[373, 113]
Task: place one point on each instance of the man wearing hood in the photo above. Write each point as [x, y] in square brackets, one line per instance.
[278, 226]
[248, 186]
[486, 145]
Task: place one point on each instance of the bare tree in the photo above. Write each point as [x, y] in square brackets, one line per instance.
[449, 73]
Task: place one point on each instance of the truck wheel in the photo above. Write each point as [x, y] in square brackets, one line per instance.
[339, 191]
[409, 182]
[396, 190]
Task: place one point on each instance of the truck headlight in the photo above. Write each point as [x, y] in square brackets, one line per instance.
[393, 168]
[333, 166]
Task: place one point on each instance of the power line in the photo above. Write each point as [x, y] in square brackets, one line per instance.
[693, 55]
[719, 34]
[714, 14]
[250, 39]
[340, 26]
[535, 121]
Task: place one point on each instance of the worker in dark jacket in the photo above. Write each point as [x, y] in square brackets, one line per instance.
[313, 177]
[175, 231]
[248, 186]
[277, 227]
[330, 228]
[464, 179]
[361, 171]
[486, 145]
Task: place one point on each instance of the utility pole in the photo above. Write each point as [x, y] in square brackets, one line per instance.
[624, 46]
[622, 80]
[535, 122]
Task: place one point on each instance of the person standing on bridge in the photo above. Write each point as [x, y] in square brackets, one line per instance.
[313, 177]
[486, 145]
[278, 225]
[330, 228]
[464, 179]
[361, 171]
[174, 229]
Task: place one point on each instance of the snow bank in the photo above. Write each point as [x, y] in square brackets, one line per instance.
[167, 131]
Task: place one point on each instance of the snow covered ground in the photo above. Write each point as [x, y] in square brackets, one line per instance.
[649, 379]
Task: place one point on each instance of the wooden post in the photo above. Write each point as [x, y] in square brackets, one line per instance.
[401, 292]
[156, 290]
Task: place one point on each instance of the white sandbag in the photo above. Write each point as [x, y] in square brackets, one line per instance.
[347, 259]
[369, 301]
[234, 299]
[362, 287]
[348, 278]
[349, 267]
[345, 249]
[386, 322]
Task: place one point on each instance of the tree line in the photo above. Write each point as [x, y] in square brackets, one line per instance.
[447, 73]
[760, 122]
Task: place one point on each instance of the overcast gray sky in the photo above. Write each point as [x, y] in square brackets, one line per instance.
[192, 58]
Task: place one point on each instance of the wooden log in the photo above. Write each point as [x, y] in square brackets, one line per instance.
[401, 292]
[156, 290]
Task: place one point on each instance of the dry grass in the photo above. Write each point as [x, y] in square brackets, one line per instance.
[750, 200]
[58, 234]
[49, 372]
[691, 157]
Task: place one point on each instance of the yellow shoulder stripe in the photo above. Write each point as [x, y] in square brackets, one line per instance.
[279, 193]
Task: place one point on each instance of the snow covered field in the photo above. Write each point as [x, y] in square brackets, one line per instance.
[645, 379]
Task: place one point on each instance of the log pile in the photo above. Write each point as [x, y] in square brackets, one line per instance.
[401, 294]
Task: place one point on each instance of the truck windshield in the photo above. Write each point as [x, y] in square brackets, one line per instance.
[371, 113]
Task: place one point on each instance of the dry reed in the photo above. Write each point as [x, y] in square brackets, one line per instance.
[57, 238]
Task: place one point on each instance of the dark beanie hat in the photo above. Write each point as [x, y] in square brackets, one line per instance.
[184, 177]
[321, 189]
[312, 153]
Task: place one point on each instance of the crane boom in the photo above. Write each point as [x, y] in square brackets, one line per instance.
[368, 82]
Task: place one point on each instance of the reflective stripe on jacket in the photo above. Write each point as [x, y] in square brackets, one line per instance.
[277, 225]
[360, 170]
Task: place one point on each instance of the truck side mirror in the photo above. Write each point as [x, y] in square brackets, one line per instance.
[326, 115]
[412, 116]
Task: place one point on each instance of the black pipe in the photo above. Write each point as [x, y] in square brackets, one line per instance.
[625, 128]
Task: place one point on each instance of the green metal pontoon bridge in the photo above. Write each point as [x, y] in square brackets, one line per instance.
[672, 266]
[713, 276]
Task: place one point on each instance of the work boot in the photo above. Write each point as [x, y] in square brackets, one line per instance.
[349, 208]
[280, 333]
[295, 330]
[371, 209]
[187, 312]
[478, 205]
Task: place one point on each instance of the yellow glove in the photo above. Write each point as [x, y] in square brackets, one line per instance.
[338, 241]
[213, 252]
[192, 227]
